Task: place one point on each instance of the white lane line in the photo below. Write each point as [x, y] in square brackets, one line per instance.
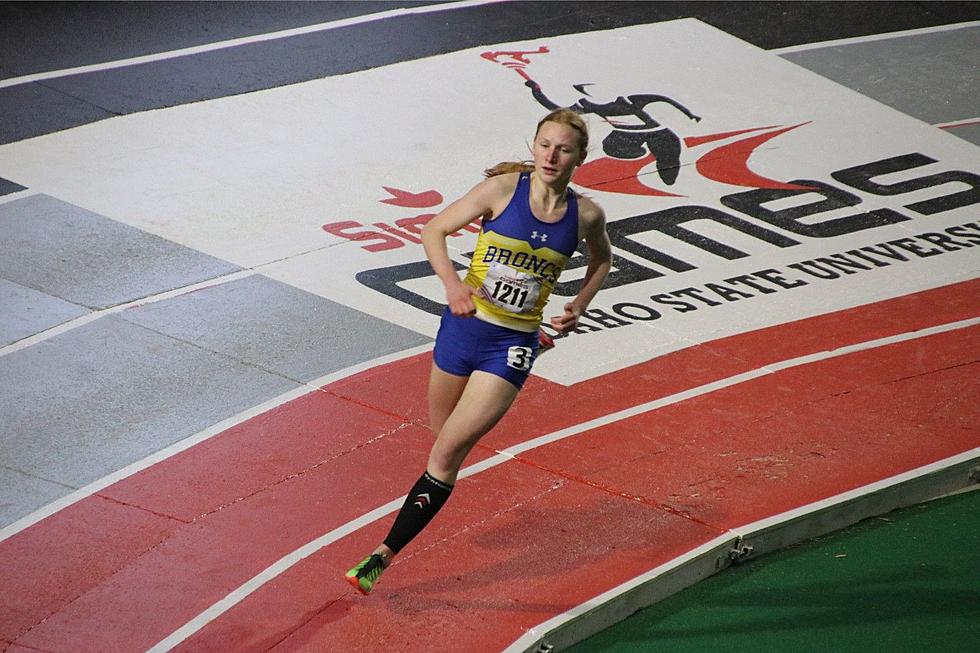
[708, 388]
[284, 563]
[874, 37]
[188, 442]
[82, 320]
[536, 633]
[540, 631]
[767, 523]
[97, 314]
[245, 40]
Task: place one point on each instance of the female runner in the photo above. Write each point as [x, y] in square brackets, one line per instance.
[488, 337]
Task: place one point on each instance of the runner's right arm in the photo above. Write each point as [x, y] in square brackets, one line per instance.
[481, 201]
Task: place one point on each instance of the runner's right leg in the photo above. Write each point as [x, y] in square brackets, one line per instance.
[483, 401]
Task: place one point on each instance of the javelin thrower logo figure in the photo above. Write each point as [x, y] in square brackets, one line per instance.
[635, 132]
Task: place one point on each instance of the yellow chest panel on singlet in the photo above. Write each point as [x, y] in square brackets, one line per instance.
[518, 260]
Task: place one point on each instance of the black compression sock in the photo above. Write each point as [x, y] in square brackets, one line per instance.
[423, 502]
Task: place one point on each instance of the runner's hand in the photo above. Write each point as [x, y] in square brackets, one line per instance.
[460, 300]
[568, 320]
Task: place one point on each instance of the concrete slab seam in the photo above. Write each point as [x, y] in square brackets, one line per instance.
[151, 299]
[510, 453]
[38, 477]
[219, 427]
[874, 37]
[954, 472]
[245, 40]
[97, 314]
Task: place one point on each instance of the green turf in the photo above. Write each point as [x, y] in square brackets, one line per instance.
[908, 581]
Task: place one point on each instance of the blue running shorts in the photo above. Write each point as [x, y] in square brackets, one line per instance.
[466, 344]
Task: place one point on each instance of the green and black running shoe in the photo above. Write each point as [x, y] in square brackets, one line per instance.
[366, 574]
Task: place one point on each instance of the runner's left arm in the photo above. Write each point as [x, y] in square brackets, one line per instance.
[600, 262]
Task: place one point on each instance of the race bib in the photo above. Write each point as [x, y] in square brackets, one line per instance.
[512, 290]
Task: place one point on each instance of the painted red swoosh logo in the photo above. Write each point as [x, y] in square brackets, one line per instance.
[729, 164]
[618, 176]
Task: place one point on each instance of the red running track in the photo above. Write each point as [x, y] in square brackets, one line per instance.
[520, 542]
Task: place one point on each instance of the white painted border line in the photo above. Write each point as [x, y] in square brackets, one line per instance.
[188, 442]
[74, 323]
[97, 314]
[272, 571]
[537, 633]
[542, 630]
[17, 195]
[857, 40]
[754, 528]
[245, 40]
[514, 451]
[239, 594]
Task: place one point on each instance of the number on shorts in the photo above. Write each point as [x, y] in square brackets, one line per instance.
[519, 358]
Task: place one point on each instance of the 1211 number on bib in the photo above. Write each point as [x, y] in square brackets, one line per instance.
[512, 290]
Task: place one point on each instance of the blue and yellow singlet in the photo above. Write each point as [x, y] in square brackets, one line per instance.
[518, 259]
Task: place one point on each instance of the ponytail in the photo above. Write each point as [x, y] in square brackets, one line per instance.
[508, 167]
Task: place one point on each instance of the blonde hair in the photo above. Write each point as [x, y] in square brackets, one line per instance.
[560, 116]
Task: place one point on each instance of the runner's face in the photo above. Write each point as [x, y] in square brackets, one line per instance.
[557, 151]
